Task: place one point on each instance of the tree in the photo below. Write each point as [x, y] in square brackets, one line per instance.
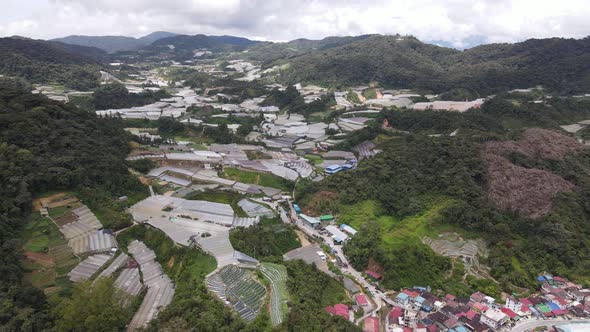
[93, 307]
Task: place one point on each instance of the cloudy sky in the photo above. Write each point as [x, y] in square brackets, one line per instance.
[457, 23]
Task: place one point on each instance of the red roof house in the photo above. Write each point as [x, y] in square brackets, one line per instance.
[509, 313]
[338, 310]
[432, 328]
[371, 324]
[373, 274]
[480, 307]
[525, 301]
[361, 299]
[395, 313]
[470, 314]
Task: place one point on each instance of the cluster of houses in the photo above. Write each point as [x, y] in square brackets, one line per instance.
[419, 310]
[559, 297]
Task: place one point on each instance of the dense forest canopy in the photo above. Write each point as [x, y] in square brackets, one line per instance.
[46, 145]
[43, 62]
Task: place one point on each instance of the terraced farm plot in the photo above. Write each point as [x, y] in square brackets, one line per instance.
[237, 285]
[277, 275]
[49, 257]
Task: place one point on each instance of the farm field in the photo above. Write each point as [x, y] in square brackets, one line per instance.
[277, 275]
[48, 257]
[261, 179]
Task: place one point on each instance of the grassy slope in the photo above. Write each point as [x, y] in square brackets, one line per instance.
[396, 232]
[261, 179]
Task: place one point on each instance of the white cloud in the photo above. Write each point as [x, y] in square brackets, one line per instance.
[455, 22]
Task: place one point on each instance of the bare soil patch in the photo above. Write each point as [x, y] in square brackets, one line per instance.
[65, 219]
[320, 203]
[53, 201]
[528, 192]
[538, 143]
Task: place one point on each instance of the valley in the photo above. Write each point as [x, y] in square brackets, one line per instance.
[217, 183]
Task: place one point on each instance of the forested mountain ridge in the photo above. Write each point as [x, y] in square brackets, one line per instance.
[268, 52]
[46, 145]
[405, 62]
[113, 44]
[43, 62]
[200, 41]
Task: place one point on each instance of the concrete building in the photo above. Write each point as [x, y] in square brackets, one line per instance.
[494, 318]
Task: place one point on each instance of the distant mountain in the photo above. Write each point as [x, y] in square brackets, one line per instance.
[213, 43]
[154, 36]
[113, 44]
[40, 61]
[181, 47]
[405, 62]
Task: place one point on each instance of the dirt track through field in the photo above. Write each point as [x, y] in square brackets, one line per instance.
[43, 259]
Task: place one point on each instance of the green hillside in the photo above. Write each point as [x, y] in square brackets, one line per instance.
[44, 62]
[422, 185]
[405, 62]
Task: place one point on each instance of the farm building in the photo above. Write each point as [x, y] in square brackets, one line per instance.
[339, 155]
[160, 287]
[326, 217]
[333, 169]
[309, 221]
[338, 236]
[94, 242]
[348, 229]
[237, 287]
[88, 267]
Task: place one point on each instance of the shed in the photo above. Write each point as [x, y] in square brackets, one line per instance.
[337, 235]
[348, 229]
[310, 221]
[326, 217]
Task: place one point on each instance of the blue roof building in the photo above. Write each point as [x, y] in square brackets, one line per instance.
[333, 169]
[346, 167]
[402, 298]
